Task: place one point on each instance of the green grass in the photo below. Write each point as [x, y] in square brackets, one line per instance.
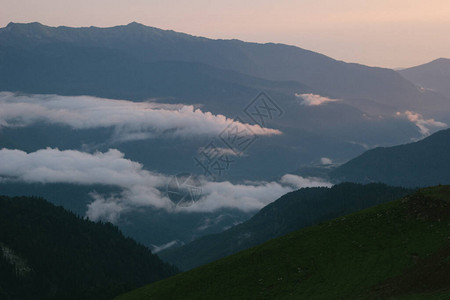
[375, 253]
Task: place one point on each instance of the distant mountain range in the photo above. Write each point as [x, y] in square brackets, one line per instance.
[47, 252]
[119, 62]
[397, 250]
[419, 164]
[140, 63]
[291, 212]
[433, 76]
[351, 108]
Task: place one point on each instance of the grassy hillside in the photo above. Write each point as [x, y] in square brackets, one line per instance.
[291, 212]
[47, 252]
[395, 250]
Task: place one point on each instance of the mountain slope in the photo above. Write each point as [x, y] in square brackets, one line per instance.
[422, 163]
[291, 212]
[352, 257]
[434, 75]
[47, 252]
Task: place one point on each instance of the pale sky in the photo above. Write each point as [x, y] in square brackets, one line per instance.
[387, 33]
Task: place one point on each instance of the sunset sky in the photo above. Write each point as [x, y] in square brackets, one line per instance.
[388, 33]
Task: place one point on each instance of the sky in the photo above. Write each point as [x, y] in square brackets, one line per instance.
[385, 33]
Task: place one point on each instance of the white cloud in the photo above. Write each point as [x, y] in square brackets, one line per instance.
[326, 161]
[299, 182]
[130, 120]
[139, 187]
[55, 166]
[108, 209]
[314, 100]
[424, 125]
[168, 245]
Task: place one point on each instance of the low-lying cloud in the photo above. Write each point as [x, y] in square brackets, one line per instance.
[326, 161]
[314, 100]
[156, 249]
[139, 187]
[130, 120]
[424, 125]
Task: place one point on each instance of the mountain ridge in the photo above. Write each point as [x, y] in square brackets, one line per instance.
[434, 75]
[368, 88]
[417, 164]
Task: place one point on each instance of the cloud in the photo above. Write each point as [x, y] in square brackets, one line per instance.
[299, 182]
[208, 222]
[168, 245]
[109, 209]
[314, 100]
[130, 120]
[424, 125]
[326, 161]
[52, 165]
[139, 187]
[249, 196]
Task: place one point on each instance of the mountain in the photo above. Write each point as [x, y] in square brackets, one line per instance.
[433, 76]
[291, 212]
[417, 164]
[139, 63]
[47, 252]
[397, 250]
[356, 110]
[32, 56]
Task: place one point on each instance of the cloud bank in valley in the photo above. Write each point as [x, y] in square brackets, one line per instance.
[424, 125]
[139, 187]
[130, 120]
[314, 100]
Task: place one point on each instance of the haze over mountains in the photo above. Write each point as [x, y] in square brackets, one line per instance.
[137, 104]
[138, 63]
[109, 123]
[434, 76]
